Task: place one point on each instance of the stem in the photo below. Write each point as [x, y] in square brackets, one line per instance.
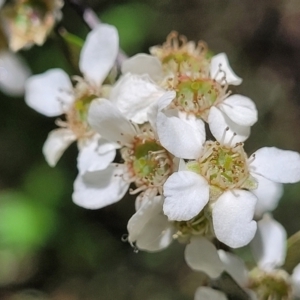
[91, 20]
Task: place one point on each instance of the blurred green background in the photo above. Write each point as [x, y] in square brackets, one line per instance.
[52, 249]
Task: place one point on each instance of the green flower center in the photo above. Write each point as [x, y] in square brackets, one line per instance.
[271, 285]
[196, 96]
[199, 225]
[148, 162]
[30, 12]
[183, 62]
[223, 167]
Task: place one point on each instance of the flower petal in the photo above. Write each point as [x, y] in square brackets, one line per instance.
[276, 164]
[98, 189]
[232, 218]
[186, 194]
[13, 74]
[240, 109]
[99, 53]
[161, 103]
[57, 142]
[201, 255]
[235, 267]
[49, 93]
[96, 154]
[296, 281]
[206, 293]
[268, 194]
[220, 62]
[149, 227]
[107, 120]
[225, 130]
[269, 244]
[134, 95]
[183, 138]
[143, 64]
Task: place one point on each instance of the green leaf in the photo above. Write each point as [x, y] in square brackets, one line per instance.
[138, 18]
[45, 184]
[23, 223]
[293, 254]
[74, 45]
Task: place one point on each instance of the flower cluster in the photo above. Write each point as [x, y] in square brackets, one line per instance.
[154, 114]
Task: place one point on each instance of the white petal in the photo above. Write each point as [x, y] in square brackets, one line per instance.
[183, 138]
[220, 61]
[276, 164]
[107, 120]
[232, 218]
[296, 281]
[268, 194]
[134, 95]
[240, 109]
[98, 189]
[149, 228]
[269, 243]
[201, 255]
[13, 74]
[99, 53]
[150, 208]
[165, 100]
[143, 64]
[235, 267]
[57, 142]
[49, 93]
[162, 102]
[206, 293]
[225, 130]
[96, 154]
[186, 194]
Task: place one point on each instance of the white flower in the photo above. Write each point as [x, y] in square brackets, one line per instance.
[52, 94]
[267, 280]
[13, 73]
[150, 230]
[199, 83]
[222, 177]
[146, 163]
[28, 23]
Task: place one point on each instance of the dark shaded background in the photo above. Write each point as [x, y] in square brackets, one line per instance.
[52, 249]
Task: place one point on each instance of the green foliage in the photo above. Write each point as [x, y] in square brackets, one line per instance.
[74, 45]
[45, 185]
[24, 224]
[133, 22]
[293, 253]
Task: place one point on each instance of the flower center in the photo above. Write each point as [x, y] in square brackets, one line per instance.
[196, 96]
[223, 167]
[270, 285]
[76, 116]
[180, 56]
[199, 225]
[149, 164]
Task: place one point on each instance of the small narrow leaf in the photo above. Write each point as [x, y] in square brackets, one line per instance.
[293, 253]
